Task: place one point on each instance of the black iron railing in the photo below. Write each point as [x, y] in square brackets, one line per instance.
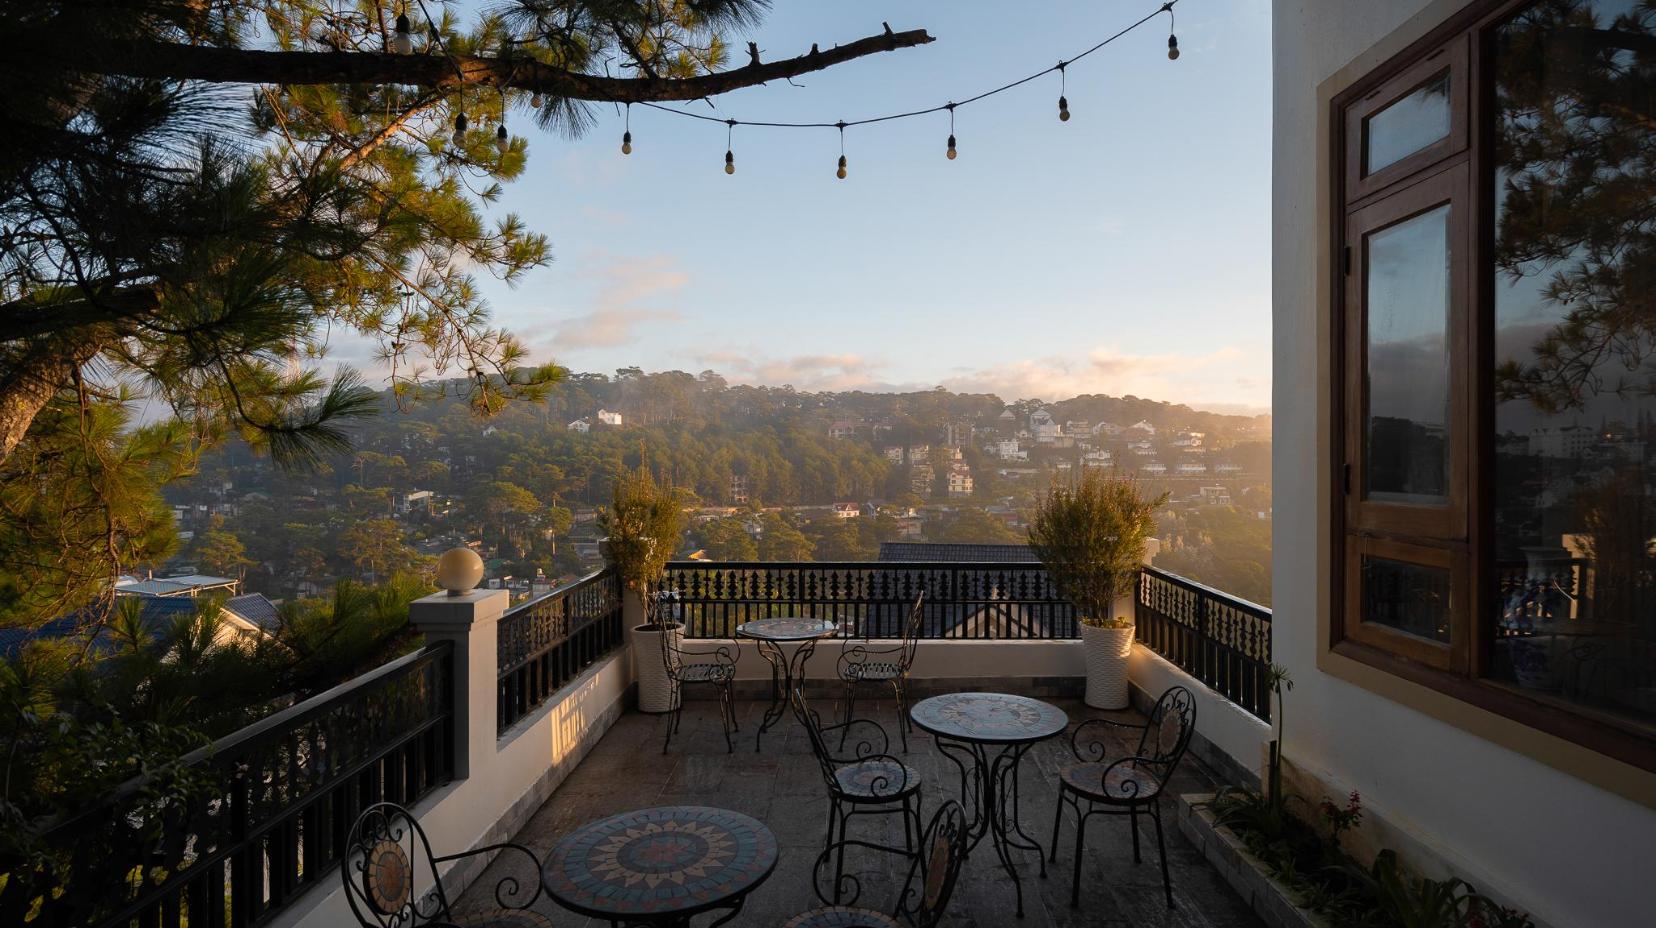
[1220, 640]
[871, 599]
[266, 819]
[546, 641]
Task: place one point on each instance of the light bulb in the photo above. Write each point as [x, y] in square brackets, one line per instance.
[459, 136]
[951, 151]
[730, 162]
[402, 42]
[626, 143]
[535, 100]
[841, 172]
[1172, 48]
[502, 140]
[1063, 109]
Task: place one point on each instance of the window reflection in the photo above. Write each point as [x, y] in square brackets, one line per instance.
[1413, 122]
[1575, 318]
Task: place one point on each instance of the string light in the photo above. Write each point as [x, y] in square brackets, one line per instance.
[730, 154]
[402, 42]
[535, 100]
[502, 140]
[626, 135]
[1063, 88]
[459, 136]
[952, 151]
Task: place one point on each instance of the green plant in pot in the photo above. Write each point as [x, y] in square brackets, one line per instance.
[642, 527]
[1092, 532]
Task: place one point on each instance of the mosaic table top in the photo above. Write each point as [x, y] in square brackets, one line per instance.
[787, 629]
[989, 717]
[665, 861]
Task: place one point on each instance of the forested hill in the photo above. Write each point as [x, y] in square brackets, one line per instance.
[702, 431]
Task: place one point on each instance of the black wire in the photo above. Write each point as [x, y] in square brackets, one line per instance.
[843, 124]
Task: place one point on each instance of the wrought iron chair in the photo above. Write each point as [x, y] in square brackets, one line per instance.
[926, 890]
[1131, 786]
[386, 857]
[715, 668]
[860, 664]
[867, 781]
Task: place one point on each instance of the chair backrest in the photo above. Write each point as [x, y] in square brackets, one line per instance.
[932, 877]
[386, 857]
[911, 632]
[1167, 734]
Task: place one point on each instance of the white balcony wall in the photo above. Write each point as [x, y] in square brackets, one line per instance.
[1568, 852]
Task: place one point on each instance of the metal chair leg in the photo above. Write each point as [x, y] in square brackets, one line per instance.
[1057, 819]
[902, 715]
[850, 707]
[1080, 843]
[1161, 845]
[1132, 816]
[724, 716]
[672, 719]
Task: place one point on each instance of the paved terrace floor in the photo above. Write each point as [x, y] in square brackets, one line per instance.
[782, 788]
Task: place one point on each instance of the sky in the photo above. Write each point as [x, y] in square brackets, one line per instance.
[1126, 251]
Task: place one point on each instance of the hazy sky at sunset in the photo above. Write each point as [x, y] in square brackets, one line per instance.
[1125, 251]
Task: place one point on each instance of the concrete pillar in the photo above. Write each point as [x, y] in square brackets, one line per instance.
[471, 621]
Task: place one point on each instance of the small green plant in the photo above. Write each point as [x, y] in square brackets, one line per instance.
[643, 526]
[1091, 533]
[1339, 820]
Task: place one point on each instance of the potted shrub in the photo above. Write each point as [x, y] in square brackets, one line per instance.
[642, 527]
[1091, 533]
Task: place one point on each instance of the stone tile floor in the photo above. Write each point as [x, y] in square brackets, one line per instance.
[781, 786]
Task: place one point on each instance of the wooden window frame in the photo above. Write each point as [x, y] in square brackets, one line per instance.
[1459, 672]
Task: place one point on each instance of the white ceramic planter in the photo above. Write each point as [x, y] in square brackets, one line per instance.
[1107, 652]
[655, 689]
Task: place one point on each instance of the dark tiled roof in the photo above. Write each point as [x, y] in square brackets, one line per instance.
[158, 613]
[255, 608]
[975, 554]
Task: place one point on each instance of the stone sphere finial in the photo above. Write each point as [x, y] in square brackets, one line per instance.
[459, 570]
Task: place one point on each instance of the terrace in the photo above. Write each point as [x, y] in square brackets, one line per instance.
[517, 724]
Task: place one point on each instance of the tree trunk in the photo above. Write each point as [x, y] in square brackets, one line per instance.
[31, 380]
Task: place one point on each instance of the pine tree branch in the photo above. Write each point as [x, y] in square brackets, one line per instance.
[168, 60]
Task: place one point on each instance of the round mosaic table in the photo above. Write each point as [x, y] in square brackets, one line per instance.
[770, 635]
[987, 735]
[660, 866]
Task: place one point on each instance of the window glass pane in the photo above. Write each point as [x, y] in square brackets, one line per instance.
[1406, 597]
[1407, 423]
[1408, 125]
[1575, 381]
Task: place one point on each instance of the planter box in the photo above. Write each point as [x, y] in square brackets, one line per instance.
[1241, 869]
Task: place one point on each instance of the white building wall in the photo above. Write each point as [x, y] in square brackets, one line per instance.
[1570, 853]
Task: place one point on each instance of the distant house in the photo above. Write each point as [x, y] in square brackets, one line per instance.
[419, 499]
[1188, 441]
[893, 453]
[1191, 469]
[1214, 496]
[1142, 447]
[1096, 459]
[919, 454]
[1141, 428]
[738, 488]
[1009, 450]
[960, 482]
[958, 433]
[1228, 468]
[921, 478]
[249, 616]
[580, 425]
[847, 510]
[1154, 467]
[844, 428]
[1106, 430]
[609, 418]
[1042, 426]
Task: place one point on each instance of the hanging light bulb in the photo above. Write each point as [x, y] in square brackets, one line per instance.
[730, 162]
[841, 172]
[503, 141]
[402, 42]
[1172, 48]
[459, 136]
[730, 151]
[951, 152]
[535, 100]
[626, 136]
[1063, 89]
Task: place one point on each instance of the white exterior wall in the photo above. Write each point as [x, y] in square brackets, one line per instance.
[1570, 853]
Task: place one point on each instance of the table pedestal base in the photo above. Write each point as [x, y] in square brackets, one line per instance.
[989, 786]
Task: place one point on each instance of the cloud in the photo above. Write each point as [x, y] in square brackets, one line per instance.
[1173, 377]
[629, 294]
[1208, 381]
